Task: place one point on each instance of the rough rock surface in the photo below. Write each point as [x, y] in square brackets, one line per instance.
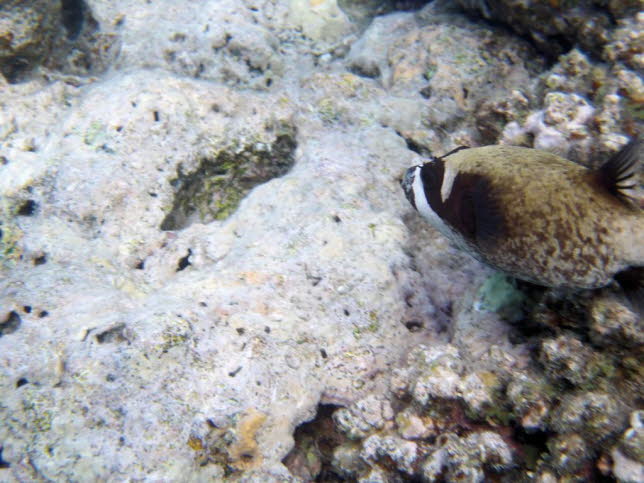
[208, 269]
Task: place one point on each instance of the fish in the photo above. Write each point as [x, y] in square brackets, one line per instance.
[534, 215]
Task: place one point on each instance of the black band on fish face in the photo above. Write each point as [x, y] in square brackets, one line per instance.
[432, 174]
[471, 208]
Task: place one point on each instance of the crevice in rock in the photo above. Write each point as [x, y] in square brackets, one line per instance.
[416, 147]
[216, 187]
[3, 463]
[311, 457]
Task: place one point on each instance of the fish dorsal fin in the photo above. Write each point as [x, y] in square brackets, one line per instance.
[618, 174]
[455, 150]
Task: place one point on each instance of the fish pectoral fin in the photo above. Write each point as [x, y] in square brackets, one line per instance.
[618, 174]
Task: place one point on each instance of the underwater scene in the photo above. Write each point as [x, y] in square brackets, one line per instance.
[370, 241]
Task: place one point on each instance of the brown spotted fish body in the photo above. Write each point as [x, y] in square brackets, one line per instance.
[535, 215]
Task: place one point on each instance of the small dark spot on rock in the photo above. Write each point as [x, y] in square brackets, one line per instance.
[247, 456]
[113, 334]
[43, 314]
[156, 116]
[267, 329]
[40, 260]
[337, 219]
[28, 208]
[346, 312]
[215, 108]
[10, 324]
[203, 304]
[413, 325]
[133, 104]
[269, 82]
[235, 372]
[119, 128]
[426, 92]
[140, 265]
[323, 354]
[21, 382]
[240, 330]
[4, 160]
[211, 423]
[153, 195]
[185, 261]
[315, 280]
[27, 309]
[110, 378]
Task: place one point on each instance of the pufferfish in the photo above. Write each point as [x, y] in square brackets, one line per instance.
[534, 215]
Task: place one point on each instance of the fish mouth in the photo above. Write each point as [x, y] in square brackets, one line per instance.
[407, 185]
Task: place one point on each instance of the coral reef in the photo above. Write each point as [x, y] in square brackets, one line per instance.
[208, 270]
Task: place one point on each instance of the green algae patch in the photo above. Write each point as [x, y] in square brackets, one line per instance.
[500, 294]
[216, 187]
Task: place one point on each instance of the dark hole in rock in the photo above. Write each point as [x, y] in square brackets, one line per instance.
[185, 261]
[43, 314]
[21, 382]
[156, 116]
[533, 445]
[414, 325]
[4, 160]
[267, 329]
[240, 330]
[365, 69]
[27, 309]
[346, 312]
[72, 12]
[3, 463]
[214, 190]
[10, 324]
[28, 208]
[15, 69]
[140, 265]
[311, 457]
[114, 334]
[323, 354]
[40, 260]
[337, 219]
